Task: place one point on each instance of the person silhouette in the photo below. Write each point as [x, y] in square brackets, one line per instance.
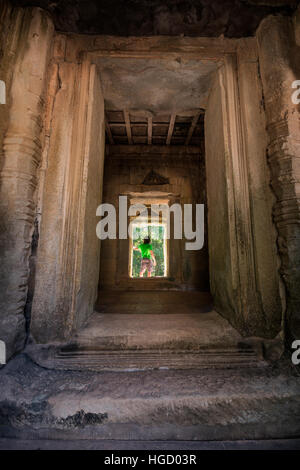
[148, 260]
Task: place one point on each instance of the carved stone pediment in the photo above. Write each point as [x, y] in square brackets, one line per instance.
[153, 178]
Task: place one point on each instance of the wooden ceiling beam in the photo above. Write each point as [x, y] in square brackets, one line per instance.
[108, 130]
[192, 128]
[128, 128]
[171, 128]
[139, 124]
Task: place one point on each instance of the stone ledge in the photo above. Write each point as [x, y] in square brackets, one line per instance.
[261, 403]
[91, 444]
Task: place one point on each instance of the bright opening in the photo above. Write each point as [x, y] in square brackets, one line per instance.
[157, 235]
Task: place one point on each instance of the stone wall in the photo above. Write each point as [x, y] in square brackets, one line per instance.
[69, 250]
[26, 45]
[223, 287]
[279, 65]
[242, 240]
[125, 170]
[213, 18]
[52, 152]
[261, 198]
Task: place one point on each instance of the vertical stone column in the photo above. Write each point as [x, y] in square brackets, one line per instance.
[278, 55]
[222, 241]
[245, 287]
[67, 269]
[20, 160]
[270, 295]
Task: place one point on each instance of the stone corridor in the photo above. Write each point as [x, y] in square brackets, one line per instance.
[183, 104]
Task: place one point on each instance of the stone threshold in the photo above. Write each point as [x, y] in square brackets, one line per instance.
[90, 444]
[135, 360]
[201, 405]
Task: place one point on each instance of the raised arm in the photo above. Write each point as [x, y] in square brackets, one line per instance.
[153, 257]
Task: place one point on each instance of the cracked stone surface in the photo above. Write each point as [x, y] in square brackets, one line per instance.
[211, 18]
[156, 86]
[190, 404]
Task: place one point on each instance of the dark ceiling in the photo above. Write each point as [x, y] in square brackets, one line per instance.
[211, 18]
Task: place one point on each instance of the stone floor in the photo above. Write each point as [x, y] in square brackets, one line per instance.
[154, 302]
[90, 444]
[185, 375]
[217, 404]
[188, 335]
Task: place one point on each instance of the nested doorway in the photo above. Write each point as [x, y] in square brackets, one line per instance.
[73, 273]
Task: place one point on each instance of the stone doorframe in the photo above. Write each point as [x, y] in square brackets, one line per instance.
[69, 251]
[71, 170]
[25, 41]
[258, 299]
[279, 70]
[256, 308]
[173, 278]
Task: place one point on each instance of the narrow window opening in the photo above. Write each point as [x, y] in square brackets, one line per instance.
[157, 232]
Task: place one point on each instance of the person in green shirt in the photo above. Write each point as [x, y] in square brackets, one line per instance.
[148, 259]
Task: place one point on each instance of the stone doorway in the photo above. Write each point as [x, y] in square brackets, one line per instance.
[155, 154]
[223, 78]
[69, 381]
[135, 163]
[169, 132]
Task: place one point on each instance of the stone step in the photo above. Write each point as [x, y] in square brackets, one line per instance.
[214, 404]
[124, 444]
[67, 358]
[150, 360]
[153, 302]
[121, 342]
[174, 331]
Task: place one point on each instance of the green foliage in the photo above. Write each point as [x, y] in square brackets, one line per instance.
[156, 234]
